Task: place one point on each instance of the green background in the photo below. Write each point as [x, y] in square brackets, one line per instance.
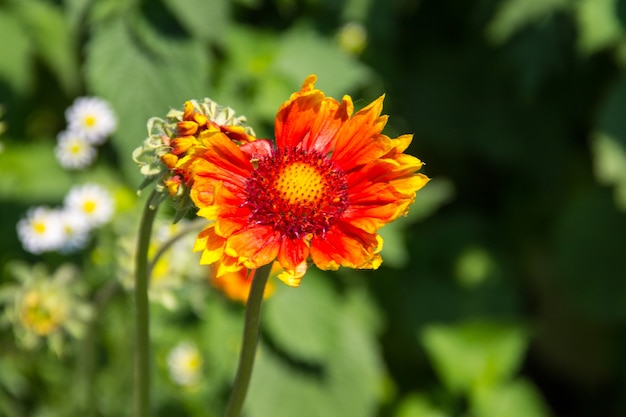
[502, 293]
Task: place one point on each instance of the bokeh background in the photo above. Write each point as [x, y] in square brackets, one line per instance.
[502, 293]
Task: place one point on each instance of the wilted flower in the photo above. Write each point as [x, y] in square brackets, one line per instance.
[184, 363]
[91, 117]
[73, 151]
[165, 156]
[320, 193]
[46, 307]
[41, 230]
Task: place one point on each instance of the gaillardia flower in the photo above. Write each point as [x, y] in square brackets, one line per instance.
[319, 194]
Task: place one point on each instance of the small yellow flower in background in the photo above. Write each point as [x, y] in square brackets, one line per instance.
[92, 118]
[184, 363]
[319, 194]
[41, 230]
[165, 156]
[42, 307]
[73, 151]
[352, 37]
[91, 202]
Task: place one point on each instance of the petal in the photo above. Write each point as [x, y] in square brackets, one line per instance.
[345, 245]
[211, 244]
[310, 120]
[292, 253]
[257, 149]
[254, 245]
[222, 161]
[293, 278]
[359, 141]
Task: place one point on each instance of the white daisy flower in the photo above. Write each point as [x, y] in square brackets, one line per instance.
[73, 151]
[76, 229]
[92, 202]
[184, 363]
[93, 117]
[41, 230]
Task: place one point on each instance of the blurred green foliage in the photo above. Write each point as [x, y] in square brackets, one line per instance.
[502, 292]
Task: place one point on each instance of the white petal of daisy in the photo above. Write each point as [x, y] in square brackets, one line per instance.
[184, 363]
[92, 117]
[73, 151]
[41, 230]
[76, 228]
[92, 202]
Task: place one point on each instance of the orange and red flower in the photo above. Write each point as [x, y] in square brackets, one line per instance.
[320, 193]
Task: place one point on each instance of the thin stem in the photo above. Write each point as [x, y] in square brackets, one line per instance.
[250, 338]
[142, 319]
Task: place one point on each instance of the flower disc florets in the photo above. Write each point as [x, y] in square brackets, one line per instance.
[166, 155]
[298, 192]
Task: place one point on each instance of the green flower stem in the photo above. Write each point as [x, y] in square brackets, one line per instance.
[142, 319]
[250, 338]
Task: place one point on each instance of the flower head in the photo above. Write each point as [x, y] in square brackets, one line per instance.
[41, 230]
[320, 193]
[91, 202]
[74, 151]
[184, 363]
[166, 155]
[91, 117]
[42, 306]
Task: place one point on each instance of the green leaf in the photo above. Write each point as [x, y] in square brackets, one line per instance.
[204, 19]
[474, 355]
[418, 406]
[302, 52]
[51, 35]
[31, 174]
[346, 382]
[518, 398]
[16, 51]
[598, 25]
[513, 15]
[609, 163]
[143, 74]
[303, 321]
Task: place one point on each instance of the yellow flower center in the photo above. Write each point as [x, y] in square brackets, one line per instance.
[75, 149]
[300, 183]
[39, 227]
[89, 206]
[90, 121]
[299, 193]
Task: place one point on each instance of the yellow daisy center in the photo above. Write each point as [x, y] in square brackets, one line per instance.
[89, 206]
[300, 183]
[90, 121]
[39, 227]
[299, 193]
